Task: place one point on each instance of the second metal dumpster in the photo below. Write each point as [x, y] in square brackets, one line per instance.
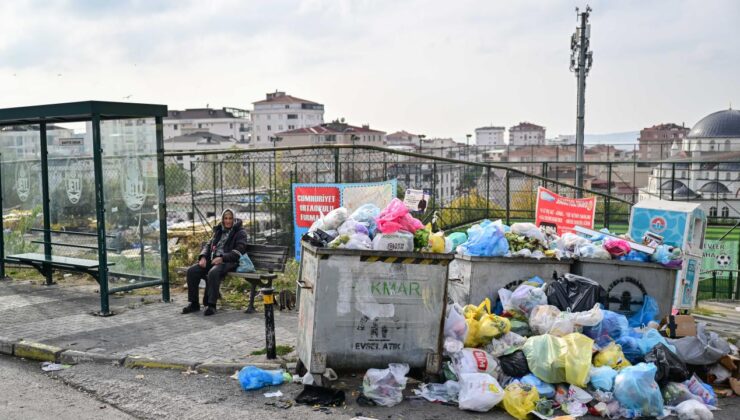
[366, 309]
[473, 279]
[627, 281]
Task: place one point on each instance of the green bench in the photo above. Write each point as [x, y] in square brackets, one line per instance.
[268, 260]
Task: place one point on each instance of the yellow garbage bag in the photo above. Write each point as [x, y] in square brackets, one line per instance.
[482, 325]
[579, 350]
[520, 399]
[560, 359]
[437, 242]
[611, 356]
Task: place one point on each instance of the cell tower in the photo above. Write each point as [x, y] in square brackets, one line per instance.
[581, 59]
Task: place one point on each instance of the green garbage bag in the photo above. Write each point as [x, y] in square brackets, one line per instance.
[560, 359]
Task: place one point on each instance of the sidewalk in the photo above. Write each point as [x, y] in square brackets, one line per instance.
[64, 316]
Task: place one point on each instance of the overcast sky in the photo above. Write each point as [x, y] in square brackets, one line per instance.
[440, 68]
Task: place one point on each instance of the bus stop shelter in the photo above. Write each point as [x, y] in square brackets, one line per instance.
[83, 190]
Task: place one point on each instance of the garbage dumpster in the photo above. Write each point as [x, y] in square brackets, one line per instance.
[364, 309]
[473, 279]
[627, 281]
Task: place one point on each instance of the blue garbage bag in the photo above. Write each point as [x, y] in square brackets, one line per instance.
[648, 312]
[651, 339]
[251, 377]
[543, 388]
[631, 347]
[662, 254]
[637, 392]
[635, 256]
[366, 214]
[610, 328]
[486, 240]
[602, 378]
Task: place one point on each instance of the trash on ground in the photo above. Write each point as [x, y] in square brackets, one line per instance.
[53, 367]
[273, 394]
[251, 377]
[385, 386]
[316, 395]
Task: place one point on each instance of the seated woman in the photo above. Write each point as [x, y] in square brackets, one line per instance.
[217, 258]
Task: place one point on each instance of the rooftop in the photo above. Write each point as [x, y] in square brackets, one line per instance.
[722, 124]
[332, 128]
[199, 137]
[204, 113]
[490, 128]
[526, 126]
[281, 98]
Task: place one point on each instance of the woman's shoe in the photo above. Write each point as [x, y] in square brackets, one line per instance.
[191, 308]
[210, 311]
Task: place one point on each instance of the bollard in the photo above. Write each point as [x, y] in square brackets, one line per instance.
[269, 300]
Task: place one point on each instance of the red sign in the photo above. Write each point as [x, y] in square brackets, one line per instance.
[564, 213]
[311, 202]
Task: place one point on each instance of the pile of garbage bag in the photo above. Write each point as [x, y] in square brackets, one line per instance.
[495, 239]
[556, 351]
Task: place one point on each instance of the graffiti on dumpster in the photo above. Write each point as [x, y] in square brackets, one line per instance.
[372, 335]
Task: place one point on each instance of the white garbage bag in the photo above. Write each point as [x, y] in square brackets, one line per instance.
[479, 392]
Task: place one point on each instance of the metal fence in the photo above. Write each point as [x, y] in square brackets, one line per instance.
[719, 284]
[257, 185]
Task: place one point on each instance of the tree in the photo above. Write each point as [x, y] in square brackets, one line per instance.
[466, 209]
[176, 179]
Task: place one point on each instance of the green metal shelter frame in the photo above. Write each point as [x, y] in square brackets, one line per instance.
[93, 112]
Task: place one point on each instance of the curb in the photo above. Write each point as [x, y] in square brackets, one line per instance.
[47, 353]
[74, 357]
[37, 351]
[149, 363]
[6, 346]
[230, 368]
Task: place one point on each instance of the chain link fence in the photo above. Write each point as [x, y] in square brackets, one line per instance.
[257, 185]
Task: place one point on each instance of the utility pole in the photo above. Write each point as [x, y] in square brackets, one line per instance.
[581, 60]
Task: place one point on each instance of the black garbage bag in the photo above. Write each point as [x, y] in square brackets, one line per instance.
[317, 238]
[575, 293]
[514, 364]
[318, 395]
[670, 367]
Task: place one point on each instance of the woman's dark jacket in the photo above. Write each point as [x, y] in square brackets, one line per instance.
[235, 245]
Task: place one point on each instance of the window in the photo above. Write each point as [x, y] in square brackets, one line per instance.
[231, 125]
[269, 127]
[291, 127]
[292, 116]
[727, 176]
[258, 138]
[280, 127]
[287, 106]
[713, 212]
[200, 125]
[725, 212]
[174, 126]
[711, 145]
[268, 116]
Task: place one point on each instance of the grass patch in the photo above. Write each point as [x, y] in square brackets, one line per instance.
[705, 312]
[281, 350]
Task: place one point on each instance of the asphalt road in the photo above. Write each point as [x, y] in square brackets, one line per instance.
[80, 391]
[28, 393]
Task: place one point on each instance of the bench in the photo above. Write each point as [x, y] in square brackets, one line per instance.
[268, 260]
[43, 263]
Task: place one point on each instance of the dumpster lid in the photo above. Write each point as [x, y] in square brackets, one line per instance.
[641, 264]
[513, 260]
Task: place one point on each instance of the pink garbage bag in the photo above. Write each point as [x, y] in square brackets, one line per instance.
[396, 217]
[617, 247]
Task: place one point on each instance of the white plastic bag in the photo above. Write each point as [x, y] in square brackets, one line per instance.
[542, 318]
[479, 392]
[470, 360]
[529, 230]
[446, 392]
[455, 325]
[452, 345]
[400, 241]
[331, 220]
[507, 343]
[525, 298]
[385, 386]
[693, 410]
[720, 373]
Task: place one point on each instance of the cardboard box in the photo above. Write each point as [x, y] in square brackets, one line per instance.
[677, 326]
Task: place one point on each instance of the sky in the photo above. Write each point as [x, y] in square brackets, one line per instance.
[439, 68]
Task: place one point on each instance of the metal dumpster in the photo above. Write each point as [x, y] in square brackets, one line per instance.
[366, 309]
[473, 279]
[627, 281]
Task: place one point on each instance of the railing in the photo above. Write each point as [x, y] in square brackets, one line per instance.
[719, 284]
[257, 184]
